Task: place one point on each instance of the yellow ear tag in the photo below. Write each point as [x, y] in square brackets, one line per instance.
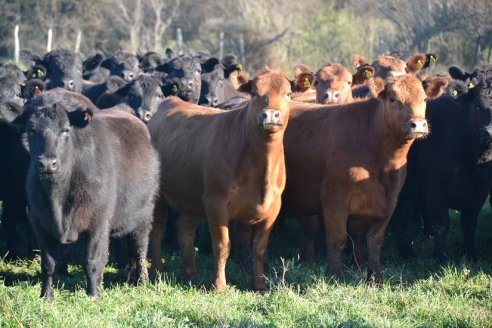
[432, 59]
[239, 67]
[471, 85]
[175, 88]
[40, 73]
[454, 93]
[419, 64]
[367, 74]
[307, 84]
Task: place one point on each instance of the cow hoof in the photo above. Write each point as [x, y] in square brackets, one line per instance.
[373, 281]
[48, 295]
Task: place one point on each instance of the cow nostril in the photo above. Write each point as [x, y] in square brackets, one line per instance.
[190, 85]
[131, 76]
[71, 84]
[413, 125]
[53, 165]
[264, 115]
[336, 94]
[216, 101]
[40, 165]
[277, 115]
[147, 116]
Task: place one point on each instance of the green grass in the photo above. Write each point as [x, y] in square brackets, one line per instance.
[420, 293]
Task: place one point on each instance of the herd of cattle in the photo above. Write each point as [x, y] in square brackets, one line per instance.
[104, 147]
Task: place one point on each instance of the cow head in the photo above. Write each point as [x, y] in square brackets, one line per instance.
[405, 104]
[271, 92]
[388, 65]
[183, 78]
[12, 82]
[122, 64]
[150, 60]
[212, 90]
[143, 96]
[50, 122]
[333, 84]
[63, 70]
[478, 98]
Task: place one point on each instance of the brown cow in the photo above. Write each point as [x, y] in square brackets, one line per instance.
[352, 164]
[223, 165]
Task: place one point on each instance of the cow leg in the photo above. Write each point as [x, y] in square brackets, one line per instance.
[96, 259]
[439, 220]
[186, 237]
[468, 226]
[375, 239]
[310, 227]
[140, 242]
[156, 235]
[402, 222]
[50, 249]
[218, 222]
[261, 233]
[241, 240]
[336, 237]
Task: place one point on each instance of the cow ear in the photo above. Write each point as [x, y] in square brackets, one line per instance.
[302, 68]
[457, 73]
[33, 88]
[29, 56]
[415, 63]
[80, 117]
[170, 89]
[364, 73]
[92, 62]
[435, 87]
[37, 71]
[379, 86]
[430, 59]
[108, 63]
[246, 87]
[303, 82]
[209, 64]
[114, 83]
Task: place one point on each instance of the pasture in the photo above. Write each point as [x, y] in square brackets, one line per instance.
[417, 293]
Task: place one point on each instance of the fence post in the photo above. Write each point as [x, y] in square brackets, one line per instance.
[77, 42]
[179, 40]
[50, 39]
[221, 45]
[17, 44]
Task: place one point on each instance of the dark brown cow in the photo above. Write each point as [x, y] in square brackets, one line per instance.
[349, 162]
[223, 165]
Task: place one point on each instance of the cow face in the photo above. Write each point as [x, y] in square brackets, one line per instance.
[144, 95]
[122, 64]
[333, 85]
[12, 81]
[479, 95]
[389, 66]
[270, 101]
[63, 70]
[50, 124]
[183, 78]
[212, 90]
[405, 105]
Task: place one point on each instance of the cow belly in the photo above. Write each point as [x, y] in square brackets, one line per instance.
[368, 200]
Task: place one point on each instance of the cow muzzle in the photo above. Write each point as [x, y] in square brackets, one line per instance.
[270, 119]
[47, 166]
[331, 97]
[418, 128]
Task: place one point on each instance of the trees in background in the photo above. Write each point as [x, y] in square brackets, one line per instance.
[279, 34]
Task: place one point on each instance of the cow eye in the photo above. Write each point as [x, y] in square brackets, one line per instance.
[349, 82]
[65, 130]
[315, 83]
[160, 95]
[425, 99]
[289, 94]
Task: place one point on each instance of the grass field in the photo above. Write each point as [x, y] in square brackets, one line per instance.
[420, 293]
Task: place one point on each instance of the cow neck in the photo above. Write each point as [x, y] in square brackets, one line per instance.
[266, 150]
[57, 187]
[394, 150]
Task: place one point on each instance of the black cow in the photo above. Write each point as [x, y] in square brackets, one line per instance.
[63, 68]
[452, 167]
[150, 60]
[183, 78]
[13, 165]
[81, 182]
[143, 95]
[122, 64]
[212, 90]
[91, 68]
